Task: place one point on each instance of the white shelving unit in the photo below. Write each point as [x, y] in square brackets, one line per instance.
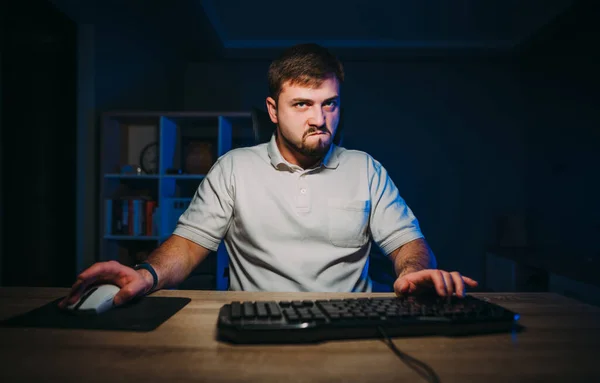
[123, 134]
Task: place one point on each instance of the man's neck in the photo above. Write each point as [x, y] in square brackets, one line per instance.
[292, 156]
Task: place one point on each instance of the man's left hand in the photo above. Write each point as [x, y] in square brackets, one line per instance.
[445, 283]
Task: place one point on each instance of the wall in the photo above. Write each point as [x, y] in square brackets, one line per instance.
[134, 72]
[563, 162]
[450, 133]
[560, 75]
[559, 82]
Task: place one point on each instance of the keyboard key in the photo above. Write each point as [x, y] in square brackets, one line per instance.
[248, 309]
[236, 310]
[274, 310]
[302, 312]
[289, 311]
[261, 310]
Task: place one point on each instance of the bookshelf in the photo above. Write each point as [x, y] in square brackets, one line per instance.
[151, 165]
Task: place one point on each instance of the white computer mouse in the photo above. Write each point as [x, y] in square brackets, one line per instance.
[96, 299]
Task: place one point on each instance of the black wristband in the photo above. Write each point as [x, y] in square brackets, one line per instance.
[147, 266]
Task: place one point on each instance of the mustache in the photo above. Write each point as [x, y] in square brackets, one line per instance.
[320, 129]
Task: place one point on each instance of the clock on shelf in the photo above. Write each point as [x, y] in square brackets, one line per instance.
[149, 158]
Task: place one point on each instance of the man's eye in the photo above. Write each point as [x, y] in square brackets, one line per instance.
[300, 104]
[331, 104]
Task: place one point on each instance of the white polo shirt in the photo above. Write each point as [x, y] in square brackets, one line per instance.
[290, 229]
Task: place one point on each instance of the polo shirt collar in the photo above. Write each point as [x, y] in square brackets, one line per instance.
[330, 160]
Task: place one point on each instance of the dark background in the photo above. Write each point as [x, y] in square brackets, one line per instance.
[495, 124]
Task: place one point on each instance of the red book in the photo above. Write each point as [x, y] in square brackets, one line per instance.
[150, 205]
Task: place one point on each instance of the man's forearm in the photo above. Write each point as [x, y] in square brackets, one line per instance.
[413, 256]
[173, 262]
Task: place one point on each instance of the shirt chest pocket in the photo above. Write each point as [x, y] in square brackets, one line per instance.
[348, 222]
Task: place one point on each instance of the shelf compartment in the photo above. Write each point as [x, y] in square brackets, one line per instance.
[123, 141]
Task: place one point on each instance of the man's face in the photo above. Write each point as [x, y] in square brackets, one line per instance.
[307, 117]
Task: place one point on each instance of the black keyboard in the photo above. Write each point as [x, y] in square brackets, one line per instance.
[310, 321]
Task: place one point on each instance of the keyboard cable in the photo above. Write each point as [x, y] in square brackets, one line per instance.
[420, 367]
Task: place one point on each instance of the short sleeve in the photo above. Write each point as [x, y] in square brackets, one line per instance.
[392, 222]
[207, 219]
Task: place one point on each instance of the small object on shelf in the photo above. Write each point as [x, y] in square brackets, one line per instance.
[127, 169]
[149, 158]
[133, 170]
[198, 157]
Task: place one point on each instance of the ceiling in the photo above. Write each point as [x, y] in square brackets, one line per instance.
[403, 27]
[204, 29]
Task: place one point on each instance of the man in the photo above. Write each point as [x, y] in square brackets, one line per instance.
[296, 214]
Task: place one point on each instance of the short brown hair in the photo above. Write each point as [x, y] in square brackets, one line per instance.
[303, 64]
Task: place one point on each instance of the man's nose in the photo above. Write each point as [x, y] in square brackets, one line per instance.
[318, 117]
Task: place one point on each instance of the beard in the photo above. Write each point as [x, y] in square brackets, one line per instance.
[318, 150]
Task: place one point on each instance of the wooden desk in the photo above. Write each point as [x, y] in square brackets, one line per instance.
[560, 344]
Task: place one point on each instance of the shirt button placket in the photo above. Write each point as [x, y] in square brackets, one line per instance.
[303, 194]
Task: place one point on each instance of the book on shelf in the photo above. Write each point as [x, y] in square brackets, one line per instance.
[131, 217]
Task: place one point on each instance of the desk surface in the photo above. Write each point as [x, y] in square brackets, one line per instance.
[560, 344]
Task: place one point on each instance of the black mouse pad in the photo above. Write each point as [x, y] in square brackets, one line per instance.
[143, 314]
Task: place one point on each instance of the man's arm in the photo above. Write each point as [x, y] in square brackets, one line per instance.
[413, 256]
[174, 260]
[416, 268]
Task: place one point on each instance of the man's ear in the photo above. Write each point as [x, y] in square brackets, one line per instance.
[272, 109]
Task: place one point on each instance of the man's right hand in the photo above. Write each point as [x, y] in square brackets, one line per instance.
[132, 283]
